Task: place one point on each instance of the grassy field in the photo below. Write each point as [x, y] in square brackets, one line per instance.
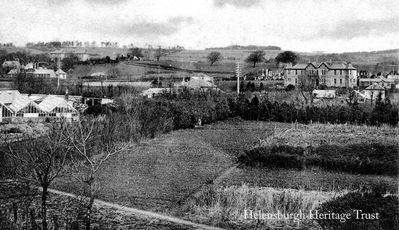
[162, 173]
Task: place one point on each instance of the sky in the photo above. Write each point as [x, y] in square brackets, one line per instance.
[299, 25]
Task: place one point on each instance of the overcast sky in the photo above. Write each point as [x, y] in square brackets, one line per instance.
[300, 25]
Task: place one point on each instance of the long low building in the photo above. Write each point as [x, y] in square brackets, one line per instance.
[18, 108]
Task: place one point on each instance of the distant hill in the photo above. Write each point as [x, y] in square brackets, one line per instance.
[249, 47]
[374, 57]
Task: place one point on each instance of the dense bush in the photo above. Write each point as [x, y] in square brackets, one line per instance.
[387, 208]
[362, 158]
[383, 112]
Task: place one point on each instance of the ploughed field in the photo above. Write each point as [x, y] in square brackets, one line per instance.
[164, 173]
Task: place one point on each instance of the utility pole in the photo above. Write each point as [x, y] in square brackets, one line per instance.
[58, 68]
[159, 71]
[238, 76]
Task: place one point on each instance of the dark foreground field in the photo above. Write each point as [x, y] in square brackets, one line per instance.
[162, 173]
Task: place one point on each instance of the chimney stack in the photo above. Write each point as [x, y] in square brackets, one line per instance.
[66, 94]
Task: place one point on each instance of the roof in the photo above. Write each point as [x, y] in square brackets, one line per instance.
[60, 71]
[29, 66]
[50, 102]
[199, 81]
[316, 65]
[15, 64]
[14, 100]
[13, 71]
[45, 71]
[379, 79]
[324, 93]
[97, 74]
[375, 86]
[149, 92]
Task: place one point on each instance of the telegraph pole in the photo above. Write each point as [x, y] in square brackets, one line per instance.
[238, 71]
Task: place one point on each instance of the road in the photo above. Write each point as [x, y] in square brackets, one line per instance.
[138, 212]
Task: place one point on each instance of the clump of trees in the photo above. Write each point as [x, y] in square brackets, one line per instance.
[135, 52]
[214, 57]
[265, 110]
[286, 57]
[364, 158]
[256, 57]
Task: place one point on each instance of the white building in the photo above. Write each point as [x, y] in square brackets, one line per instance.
[19, 108]
[60, 74]
[43, 72]
[331, 75]
[373, 91]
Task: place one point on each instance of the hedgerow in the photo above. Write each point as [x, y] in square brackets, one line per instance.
[363, 158]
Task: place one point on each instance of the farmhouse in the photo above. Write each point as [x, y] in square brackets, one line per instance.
[329, 74]
[17, 108]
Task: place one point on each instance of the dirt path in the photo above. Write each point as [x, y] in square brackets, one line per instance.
[138, 212]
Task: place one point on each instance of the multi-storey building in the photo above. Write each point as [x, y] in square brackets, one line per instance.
[331, 75]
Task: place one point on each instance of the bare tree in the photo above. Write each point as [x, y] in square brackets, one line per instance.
[40, 161]
[159, 53]
[95, 142]
[214, 57]
[306, 85]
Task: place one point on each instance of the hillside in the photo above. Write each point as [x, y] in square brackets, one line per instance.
[248, 47]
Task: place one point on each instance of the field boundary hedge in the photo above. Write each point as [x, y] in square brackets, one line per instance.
[362, 158]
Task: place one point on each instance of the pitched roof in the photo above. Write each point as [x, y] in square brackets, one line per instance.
[330, 66]
[298, 66]
[14, 64]
[375, 86]
[50, 102]
[60, 71]
[45, 71]
[14, 100]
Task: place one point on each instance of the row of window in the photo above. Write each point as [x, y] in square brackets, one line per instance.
[323, 80]
[40, 115]
[323, 72]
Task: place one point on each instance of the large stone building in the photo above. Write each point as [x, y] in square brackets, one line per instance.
[329, 74]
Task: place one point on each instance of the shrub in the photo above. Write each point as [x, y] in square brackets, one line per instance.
[363, 158]
[290, 87]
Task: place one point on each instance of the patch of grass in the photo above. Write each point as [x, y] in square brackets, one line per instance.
[310, 179]
[226, 206]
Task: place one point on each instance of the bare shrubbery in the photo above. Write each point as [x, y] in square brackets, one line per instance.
[225, 206]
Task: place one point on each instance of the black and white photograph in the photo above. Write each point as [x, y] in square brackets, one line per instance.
[199, 114]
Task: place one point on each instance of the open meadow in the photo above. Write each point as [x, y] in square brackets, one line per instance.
[194, 173]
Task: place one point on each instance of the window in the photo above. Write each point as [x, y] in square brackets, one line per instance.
[296, 80]
[335, 81]
[335, 72]
[289, 71]
[340, 72]
[340, 81]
